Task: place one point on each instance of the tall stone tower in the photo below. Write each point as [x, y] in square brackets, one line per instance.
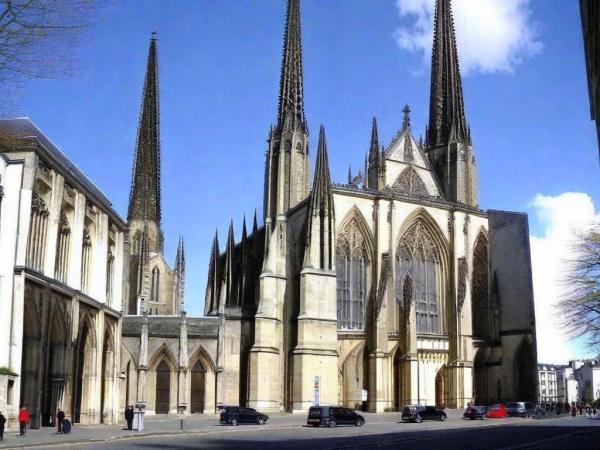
[448, 135]
[287, 164]
[153, 286]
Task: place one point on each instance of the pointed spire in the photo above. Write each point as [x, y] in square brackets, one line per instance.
[349, 173]
[180, 257]
[144, 198]
[321, 216]
[212, 286]
[321, 192]
[230, 238]
[244, 232]
[447, 122]
[406, 121]
[254, 224]
[374, 148]
[291, 90]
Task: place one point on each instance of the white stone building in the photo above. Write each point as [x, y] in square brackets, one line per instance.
[62, 266]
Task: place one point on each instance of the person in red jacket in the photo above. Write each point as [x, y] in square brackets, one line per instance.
[23, 420]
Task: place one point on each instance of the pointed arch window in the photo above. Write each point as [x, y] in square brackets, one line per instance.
[410, 183]
[480, 305]
[155, 287]
[36, 243]
[417, 278]
[352, 269]
[63, 248]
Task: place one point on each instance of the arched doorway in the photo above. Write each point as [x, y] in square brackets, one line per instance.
[163, 388]
[396, 381]
[439, 390]
[108, 364]
[56, 371]
[480, 387]
[85, 356]
[198, 387]
[31, 360]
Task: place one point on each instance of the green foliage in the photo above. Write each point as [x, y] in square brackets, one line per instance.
[7, 371]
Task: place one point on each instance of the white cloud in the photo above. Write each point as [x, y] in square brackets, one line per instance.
[492, 35]
[561, 216]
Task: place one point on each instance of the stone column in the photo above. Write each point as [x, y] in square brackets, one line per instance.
[183, 401]
[54, 208]
[143, 365]
[74, 276]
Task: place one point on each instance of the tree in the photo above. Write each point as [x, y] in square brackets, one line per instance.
[580, 304]
[38, 39]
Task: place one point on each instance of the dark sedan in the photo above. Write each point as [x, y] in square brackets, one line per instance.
[234, 415]
[475, 412]
[417, 413]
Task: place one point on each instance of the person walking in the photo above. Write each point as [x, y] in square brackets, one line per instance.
[2, 422]
[23, 421]
[129, 416]
[60, 417]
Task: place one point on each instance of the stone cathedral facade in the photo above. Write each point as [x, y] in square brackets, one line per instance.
[393, 288]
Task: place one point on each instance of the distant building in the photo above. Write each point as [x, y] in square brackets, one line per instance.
[588, 378]
[590, 18]
[548, 375]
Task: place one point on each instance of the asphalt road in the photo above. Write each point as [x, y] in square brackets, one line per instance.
[382, 432]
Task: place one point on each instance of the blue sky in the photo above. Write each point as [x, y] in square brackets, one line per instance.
[219, 63]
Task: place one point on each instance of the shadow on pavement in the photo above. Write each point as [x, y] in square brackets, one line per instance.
[500, 437]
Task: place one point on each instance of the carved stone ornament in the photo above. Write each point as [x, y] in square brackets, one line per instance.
[408, 149]
[418, 242]
[38, 205]
[351, 242]
[64, 224]
[410, 183]
[87, 238]
[386, 272]
[462, 282]
[407, 296]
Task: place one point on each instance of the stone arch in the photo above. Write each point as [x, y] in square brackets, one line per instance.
[56, 362]
[421, 251]
[480, 298]
[480, 377]
[399, 385]
[85, 359]
[162, 382]
[32, 355]
[440, 388]
[203, 385]
[410, 183]
[354, 264]
[107, 374]
[353, 372]
[128, 369]
[525, 371]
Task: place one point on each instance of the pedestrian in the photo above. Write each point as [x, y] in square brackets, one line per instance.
[129, 416]
[23, 421]
[2, 422]
[60, 417]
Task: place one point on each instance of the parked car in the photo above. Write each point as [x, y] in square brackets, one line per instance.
[497, 411]
[475, 412]
[238, 414]
[520, 409]
[418, 413]
[330, 416]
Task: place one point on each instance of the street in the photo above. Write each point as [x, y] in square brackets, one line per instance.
[381, 431]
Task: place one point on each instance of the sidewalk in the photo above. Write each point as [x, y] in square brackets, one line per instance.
[153, 425]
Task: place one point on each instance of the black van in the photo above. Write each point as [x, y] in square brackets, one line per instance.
[238, 414]
[330, 416]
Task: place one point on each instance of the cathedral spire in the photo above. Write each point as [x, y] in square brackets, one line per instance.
[254, 224]
[180, 274]
[144, 199]
[374, 159]
[447, 122]
[291, 90]
[320, 236]
[211, 298]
